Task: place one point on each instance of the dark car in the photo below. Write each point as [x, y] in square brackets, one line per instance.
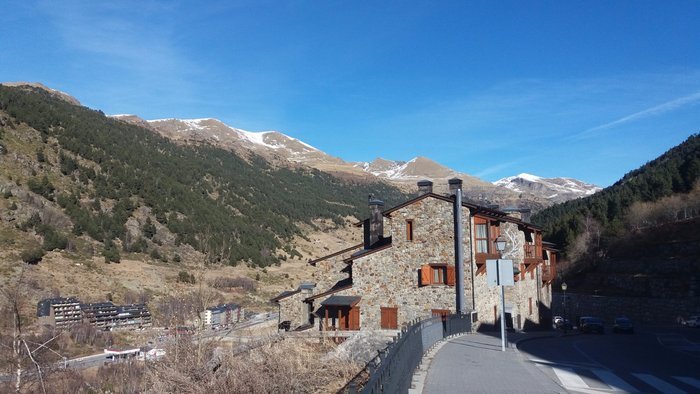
[285, 325]
[623, 325]
[591, 325]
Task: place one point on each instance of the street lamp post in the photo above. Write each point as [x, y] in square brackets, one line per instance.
[563, 303]
[501, 246]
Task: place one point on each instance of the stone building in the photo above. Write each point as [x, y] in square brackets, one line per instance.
[405, 269]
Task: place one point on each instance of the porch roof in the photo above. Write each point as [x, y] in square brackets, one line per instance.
[341, 301]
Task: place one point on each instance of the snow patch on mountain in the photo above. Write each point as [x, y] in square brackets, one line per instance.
[555, 189]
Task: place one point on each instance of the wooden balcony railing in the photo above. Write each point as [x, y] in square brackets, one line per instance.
[531, 252]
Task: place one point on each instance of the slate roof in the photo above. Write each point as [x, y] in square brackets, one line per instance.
[337, 300]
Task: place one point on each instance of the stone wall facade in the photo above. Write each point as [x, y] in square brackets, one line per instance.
[291, 308]
[524, 300]
[390, 277]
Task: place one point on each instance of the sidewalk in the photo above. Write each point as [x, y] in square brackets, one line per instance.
[474, 363]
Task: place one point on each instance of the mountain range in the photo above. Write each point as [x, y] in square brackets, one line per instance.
[522, 191]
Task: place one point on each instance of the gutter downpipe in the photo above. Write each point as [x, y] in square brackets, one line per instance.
[456, 190]
[471, 263]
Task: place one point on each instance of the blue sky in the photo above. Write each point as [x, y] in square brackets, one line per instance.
[584, 89]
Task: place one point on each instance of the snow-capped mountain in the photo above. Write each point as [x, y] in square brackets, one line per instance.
[414, 170]
[269, 144]
[553, 189]
[523, 190]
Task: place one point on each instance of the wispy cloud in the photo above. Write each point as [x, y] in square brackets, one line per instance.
[486, 172]
[649, 112]
[132, 42]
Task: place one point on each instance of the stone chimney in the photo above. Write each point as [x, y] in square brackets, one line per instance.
[425, 187]
[374, 226]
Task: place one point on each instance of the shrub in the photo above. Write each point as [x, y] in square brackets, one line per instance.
[185, 277]
[148, 229]
[52, 238]
[110, 252]
[32, 256]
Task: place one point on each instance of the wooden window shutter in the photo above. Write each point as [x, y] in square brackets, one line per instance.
[425, 275]
[495, 230]
[389, 318]
[451, 275]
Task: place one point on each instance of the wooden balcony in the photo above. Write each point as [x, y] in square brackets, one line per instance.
[482, 257]
[481, 261]
[533, 255]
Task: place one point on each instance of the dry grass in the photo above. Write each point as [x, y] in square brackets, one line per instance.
[286, 366]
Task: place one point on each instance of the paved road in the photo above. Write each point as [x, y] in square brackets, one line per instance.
[652, 360]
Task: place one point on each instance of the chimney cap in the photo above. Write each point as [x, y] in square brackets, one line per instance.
[455, 181]
[425, 182]
[374, 201]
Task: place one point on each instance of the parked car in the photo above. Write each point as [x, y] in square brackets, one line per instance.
[623, 325]
[285, 325]
[591, 325]
[692, 321]
[561, 323]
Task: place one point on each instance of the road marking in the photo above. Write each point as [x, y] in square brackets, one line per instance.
[689, 381]
[614, 381]
[563, 364]
[569, 378]
[658, 384]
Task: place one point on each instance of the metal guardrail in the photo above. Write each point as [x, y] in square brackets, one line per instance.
[392, 370]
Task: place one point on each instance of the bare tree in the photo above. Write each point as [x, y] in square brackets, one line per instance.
[24, 359]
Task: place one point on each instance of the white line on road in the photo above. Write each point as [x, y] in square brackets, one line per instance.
[614, 381]
[569, 378]
[658, 384]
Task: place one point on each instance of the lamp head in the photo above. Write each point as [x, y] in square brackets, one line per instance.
[564, 286]
[500, 243]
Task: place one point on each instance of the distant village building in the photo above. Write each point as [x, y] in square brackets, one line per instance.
[222, 315]
[405, 269]
[59, 312]
[63, 312]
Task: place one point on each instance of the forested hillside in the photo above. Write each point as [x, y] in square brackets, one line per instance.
[605, 216]
[99, 170]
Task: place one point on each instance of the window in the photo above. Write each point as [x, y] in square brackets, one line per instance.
[437, 274]
[389, 318]
[409, 230]
[485, 233]
[482, 238]
[529, 301]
